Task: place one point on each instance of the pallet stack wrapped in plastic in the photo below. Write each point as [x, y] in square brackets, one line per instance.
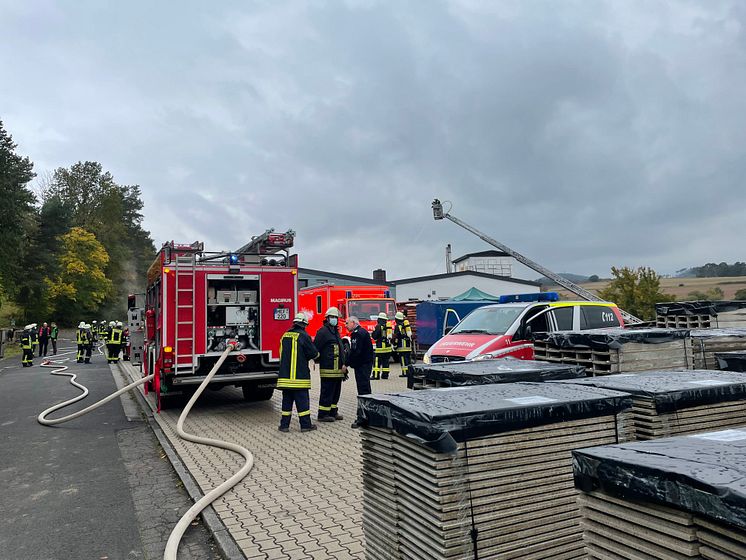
[708, 342]
[616, 350]
[669, 403]
[731, 361]
[480, 472]
[700, 314]
[500, 370]
[672, 498]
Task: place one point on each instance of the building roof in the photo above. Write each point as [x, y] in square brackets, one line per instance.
[342, 276]
[490, 253]
[465, 273]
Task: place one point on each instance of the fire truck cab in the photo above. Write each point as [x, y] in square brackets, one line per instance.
[197, 301]
[363, 302]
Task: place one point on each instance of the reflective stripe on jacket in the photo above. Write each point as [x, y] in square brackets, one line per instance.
[296, 349]
[331, 356]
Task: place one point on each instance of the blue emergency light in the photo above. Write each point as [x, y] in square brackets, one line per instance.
[233, 258]
[527, 298]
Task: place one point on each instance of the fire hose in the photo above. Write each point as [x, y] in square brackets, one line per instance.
[172, 545]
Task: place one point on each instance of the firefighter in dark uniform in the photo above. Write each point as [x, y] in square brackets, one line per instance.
[27, 360]
[114, 343]
[332, 368]
[88, 346]
[34, 340]
[81, 338]
[403, 344]
[382, 337]
[294, 377]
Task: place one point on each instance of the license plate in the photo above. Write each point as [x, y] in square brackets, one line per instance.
[282, 314]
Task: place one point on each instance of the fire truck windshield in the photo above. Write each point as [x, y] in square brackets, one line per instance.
[368, 309]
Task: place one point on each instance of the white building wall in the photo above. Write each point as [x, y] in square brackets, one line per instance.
[446, 288]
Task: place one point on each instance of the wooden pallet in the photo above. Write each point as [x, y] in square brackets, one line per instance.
[631, 357]
[726, 319]
[515, 488]
[720, 542]
[706, 345]
[628, 530]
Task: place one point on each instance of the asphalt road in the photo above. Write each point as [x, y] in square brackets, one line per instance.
[97, 487]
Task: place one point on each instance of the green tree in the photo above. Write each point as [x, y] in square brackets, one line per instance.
[593, 278]
[16, 211]
[80, 287]
[740, 294]
[713, 294]
[113, 213]
[636, 291]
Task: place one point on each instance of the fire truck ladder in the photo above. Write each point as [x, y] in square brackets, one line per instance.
[184, 271]
[438, 214]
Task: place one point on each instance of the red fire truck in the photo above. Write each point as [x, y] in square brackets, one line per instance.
[364, 302]
[196, 301]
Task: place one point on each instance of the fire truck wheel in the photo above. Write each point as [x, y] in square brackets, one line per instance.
[251, 393]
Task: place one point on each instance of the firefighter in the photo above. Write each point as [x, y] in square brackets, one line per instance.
[34, 340]
[294, 377]
[94, 331]
[331, 366]
[27, 360]
[81, 339]
[382, 337]
[102, 329]
[114, 343]
[126, 344]
[403, 344]
[88, 346]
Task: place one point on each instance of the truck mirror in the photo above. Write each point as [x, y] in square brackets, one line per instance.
[446, 330]
[528, 332]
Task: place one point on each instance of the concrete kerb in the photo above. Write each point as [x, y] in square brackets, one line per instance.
[227, 545]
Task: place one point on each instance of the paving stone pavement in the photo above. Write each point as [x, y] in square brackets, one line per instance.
[303, 498]
[159, 499]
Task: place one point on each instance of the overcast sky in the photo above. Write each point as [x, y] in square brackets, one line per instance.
[583, 134]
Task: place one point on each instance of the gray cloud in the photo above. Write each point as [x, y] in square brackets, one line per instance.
[584, 134]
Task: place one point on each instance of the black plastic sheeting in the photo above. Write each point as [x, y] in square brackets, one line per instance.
[500, 370]
[611, 338]
[703, 474]
[440, 418]
[674, 390]
[738, 332]
[731, 361]
[698, 307]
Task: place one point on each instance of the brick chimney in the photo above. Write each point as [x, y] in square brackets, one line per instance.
[379, 275]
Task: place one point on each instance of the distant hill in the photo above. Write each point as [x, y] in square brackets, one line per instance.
[576, 278]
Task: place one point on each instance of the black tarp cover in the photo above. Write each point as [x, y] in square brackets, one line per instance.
[737, 332]
[500, 370]
[440, 418]
[704, 474]
[698, 307]
[611, 338]
[731, 361]
[674, 390]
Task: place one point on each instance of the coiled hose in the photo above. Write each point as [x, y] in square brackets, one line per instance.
[172, 545]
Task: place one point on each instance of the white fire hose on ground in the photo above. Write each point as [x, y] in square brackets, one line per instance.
[172, 545]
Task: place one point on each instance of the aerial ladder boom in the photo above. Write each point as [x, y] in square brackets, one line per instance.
[438, 214]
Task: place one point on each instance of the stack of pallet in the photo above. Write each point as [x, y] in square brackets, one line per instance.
[674, 498]
[700, 314]
[500, 370]
[707, 342]
[479, 471]
[608, 351]
[731, 361]
[668, 403]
